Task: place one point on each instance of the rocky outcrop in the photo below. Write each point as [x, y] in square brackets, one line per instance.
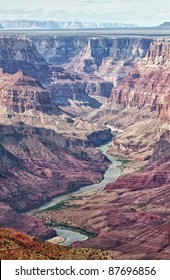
[162, 147]
[100, 137]
[145, 88]
[101, 56]
[102, 61]
[17, 53]
[149, 83]
[18, 246]
[77, 96]
[20, 93]
[38, 164]
[133, 218]
[63, 93]
[110, 59]
[58, 50]
[158, 54]
[13, 48]
[30, 225]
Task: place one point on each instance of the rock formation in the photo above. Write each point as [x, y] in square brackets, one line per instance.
[19, 246]
[19, 54]
[133, 218]
[24, 223]
[37, 164]
[20, 93]
[148, 84]
[45, 153]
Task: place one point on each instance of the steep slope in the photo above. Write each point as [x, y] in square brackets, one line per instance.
[19, 54]
[133, 218]
[20, 93]
[45, 163]
[148, 84]
[139, 104]
[30, 225]
[100, 64]
[15, 245]
[38, 163]
[110, 59]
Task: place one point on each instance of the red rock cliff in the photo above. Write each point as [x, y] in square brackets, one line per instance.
[21, 93]
[149, 83]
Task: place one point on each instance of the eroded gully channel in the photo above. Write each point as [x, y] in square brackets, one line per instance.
[112, 173]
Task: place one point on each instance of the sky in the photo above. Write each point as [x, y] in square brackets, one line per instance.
[140, 12]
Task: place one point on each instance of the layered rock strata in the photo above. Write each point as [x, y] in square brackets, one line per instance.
[20, 93]
[149, 83]
[133, 218]
[24, 223]
[38, 164]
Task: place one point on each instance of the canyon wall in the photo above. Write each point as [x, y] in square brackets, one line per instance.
[20, 93]
[101, 63]
[132, 221]
[148, 83]
[18, 53]
[59, 50]
[38, 163]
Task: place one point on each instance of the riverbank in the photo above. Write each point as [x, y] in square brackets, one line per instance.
[56, 240]
[65, 201]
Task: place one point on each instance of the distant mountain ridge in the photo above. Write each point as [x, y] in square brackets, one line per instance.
[33, 24]
[166, 24]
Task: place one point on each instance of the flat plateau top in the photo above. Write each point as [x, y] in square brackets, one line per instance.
[111, 33]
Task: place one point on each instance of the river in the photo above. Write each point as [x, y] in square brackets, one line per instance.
[112, 173]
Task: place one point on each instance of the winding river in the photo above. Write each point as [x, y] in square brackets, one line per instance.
[112, 173]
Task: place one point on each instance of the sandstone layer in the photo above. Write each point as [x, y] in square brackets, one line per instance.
[38, 164]
[20, 93]
[133, 218]
[30, 225]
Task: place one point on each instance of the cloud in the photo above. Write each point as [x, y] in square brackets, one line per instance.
[34, 14]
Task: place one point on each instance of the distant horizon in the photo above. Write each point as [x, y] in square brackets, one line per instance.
[83, 21]
[143, 13]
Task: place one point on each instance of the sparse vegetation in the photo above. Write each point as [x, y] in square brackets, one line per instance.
[124, 161]
[78, 229]
[59, 206]
[19, 246]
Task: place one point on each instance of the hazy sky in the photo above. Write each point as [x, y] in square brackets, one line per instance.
[140, 12]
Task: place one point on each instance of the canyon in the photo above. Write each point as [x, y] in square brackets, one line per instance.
[60, 98]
